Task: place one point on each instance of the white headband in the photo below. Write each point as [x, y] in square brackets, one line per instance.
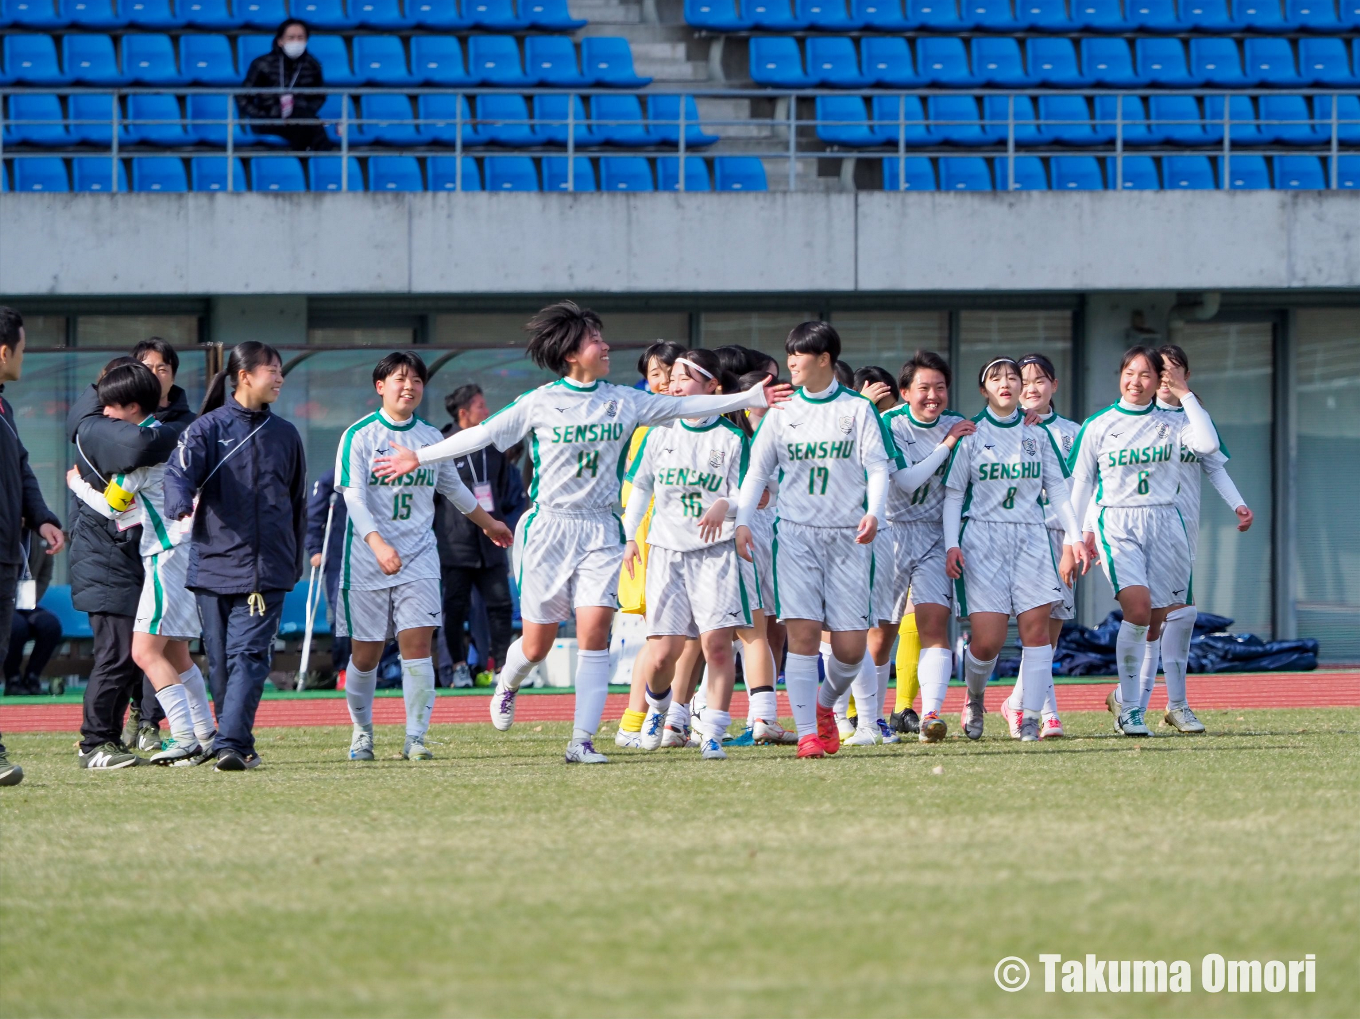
[690, 364]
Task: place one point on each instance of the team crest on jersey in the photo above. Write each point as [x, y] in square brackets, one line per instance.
[845, 423]
[1162, 429]
[611, 408]
[715, 458]
[1067, 443]
[1030, 448]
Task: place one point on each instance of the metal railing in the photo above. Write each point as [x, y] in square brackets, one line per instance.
[788, 135]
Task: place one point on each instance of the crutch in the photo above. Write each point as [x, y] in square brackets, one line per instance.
[314, 588]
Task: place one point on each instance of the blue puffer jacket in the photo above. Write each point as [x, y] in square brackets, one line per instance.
[251, 473]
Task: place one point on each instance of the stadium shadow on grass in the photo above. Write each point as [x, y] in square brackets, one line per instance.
[494, 880]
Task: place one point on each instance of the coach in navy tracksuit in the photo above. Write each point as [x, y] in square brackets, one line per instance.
[249, 471]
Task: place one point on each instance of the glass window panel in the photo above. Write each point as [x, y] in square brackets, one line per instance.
[478, 330]
[887, 338]
[395, 337]
[44, 331]
[985, 335]
[1327, 544]
[759, 330]
[126, 330]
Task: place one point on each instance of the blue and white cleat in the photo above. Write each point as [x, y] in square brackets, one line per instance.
[361, 744]
[712, 750]
[746, 739]
[628, 740]
[582, 751]
[888, 733]
[653, 730]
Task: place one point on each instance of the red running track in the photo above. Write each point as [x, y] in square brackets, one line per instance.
[1239, 690]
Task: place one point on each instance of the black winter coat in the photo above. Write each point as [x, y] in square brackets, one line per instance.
[275, 70]
[21, 501]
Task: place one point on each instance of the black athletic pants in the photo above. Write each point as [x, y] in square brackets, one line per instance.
[114, 680]
[9, 584]
[493, 582]
[44, 630]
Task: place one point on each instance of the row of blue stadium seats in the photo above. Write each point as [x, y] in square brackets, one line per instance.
[1139, 173]
[1052, 61]
[445, 15]
[436, 60]
[1174, 16]
[385, 119]
[1067, 120]
[389, 173]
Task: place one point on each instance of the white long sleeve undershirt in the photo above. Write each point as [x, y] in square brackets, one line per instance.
[1203, 437]
[1223, 484]
[911, 478]
[359, 514]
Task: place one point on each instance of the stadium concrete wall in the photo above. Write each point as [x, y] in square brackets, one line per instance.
[441, 243]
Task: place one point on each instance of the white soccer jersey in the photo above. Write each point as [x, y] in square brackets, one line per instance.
[686, 468]
[1002, 468]
[1064, 432]
[1131, 455]
[142, 491]
[402, 509]
[820, 450]
[915, 441]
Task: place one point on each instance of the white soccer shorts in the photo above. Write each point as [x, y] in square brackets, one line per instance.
[689, 593]
[762, 531]
[916, 551]
[563, 562]
[1067, 608]
[1009, 568]
[822, 573]
[165, 608]
[1146, 546]
[382, 614]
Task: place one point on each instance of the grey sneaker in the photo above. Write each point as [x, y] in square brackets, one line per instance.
[175, 751]
[1029, 730]
[970, 719]
[108, 757]
[415, 749]
[206, 752]
[1182, 719]
[582, 751]
[462, 676]
[10, 774]
[148, 739]
[361, 745]
[130, 727]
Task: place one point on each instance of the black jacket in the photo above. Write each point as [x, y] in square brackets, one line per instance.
[461, 542]
[250, 472]
[21, 501]
[104, 564]
[318, 506]
[275, 70]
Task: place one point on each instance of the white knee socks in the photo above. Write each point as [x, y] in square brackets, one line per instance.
[1129, 648]
[976, 673]
[1147, 672]
[1036, 671]
[763, 705]
[800, 679]
[417, 689]
[884, 674]
[839, 676]
[865, 685]
[592, 687]
[1177, 633]
[359, 687]
[175, 703]
[715, 723]
[932, 671]
[517, 667]
[1050, 708]
[197, 692]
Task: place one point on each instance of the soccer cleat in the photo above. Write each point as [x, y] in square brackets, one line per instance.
[970, 719]
[863, 736]
[653, 730]
[1029, 730]
[712, 750]
[746, 739]
[845, 726]
[148, 738]
[108, 757]
[503, 707]
[1130, 723]
[628, 740]
[1052, 728]
[1112, 703]
[230, 760]
[130, 727]
[906, 722]
[361, 744]
[933, 727]
[674, 737]
[10, 774]
[1012, 716]
[175, 751]
[811, 746]
[772, 734]
[582, 751]
[1182, 719]
[462, 678]
[827, 730]
[886, 733]
[693, 739]
[416, 750]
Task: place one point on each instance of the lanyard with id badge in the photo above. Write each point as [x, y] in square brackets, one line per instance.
[482, 489]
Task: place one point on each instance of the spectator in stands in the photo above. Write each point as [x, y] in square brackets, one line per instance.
[287, 66]
[21, 501]
[32, 623]
[468, 559]
[318, 505]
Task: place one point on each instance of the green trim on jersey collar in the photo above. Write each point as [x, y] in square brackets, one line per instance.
[576, 386]
[382, 416]
[1119, 406]
[987, 413]
[824, 399]
[148, 421]
[923, 424]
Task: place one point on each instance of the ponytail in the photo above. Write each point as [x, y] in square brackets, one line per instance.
[244, 357]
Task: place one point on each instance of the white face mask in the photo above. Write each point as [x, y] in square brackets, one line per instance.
[293, 50]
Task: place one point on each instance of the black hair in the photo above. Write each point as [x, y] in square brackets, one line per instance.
[121, 359]
[130, 385]
[873, 373]
[558, 331]
[845, 375]
[927, 359]
[245, 357]
[400, 359]
[156, 345]
[986, 369]
[814, 338]
[1041, 362]
[10, 324]
[1154, 358]
[286, 24]
[747, 381]
[460, 398]
[665, 351]
[710, 362]
[759, 361]
[734, 358]
[1175, 353]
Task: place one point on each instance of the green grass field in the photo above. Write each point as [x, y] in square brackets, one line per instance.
[497, 881]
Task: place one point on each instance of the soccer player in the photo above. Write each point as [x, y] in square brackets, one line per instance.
[389, 577]
[569, 547]
[167, 614]
[999, 556]
[1129, 455]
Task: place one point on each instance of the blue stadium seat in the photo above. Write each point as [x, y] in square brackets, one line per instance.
[965, 173]
[156, 119]
[880, 15]
[494, 60]
[207, 60]
[550, 121]
[998, 113]
[159, 173]
[277, 173]
[825, 15]
[207, 116]
[438, 60]
[886, 59]
[1176, 120]
[1029, 174]
[1349, 14]
[511, 173]
[1348, 173]
[209, 173]
[617, 119]
[1298, 173]
[497, 15]
[1053, 62]
[1326, 62]
[773, 15]
[1066, 120]
[440, 15]
[996, 61]
[668, 174]
[32, 60]
[739, 173]
[1188, 173]
[936, 15]
[1259, 15]
[41, 173]
[550, 14]
[328, 15]
[1043, 15]
[91, 118]
[843, 120]
[440, 116]
[395, 173]
[149, 59]
[1154, 15]
[942, 60]
[260, 13]
[1271, 62]
[1076, 173]
[385, 15]
[1139, 174]
[89, 60]
[36, 120]
[663, 118]
[911, 173]
[1207, 15]
[1107, 62]
[1162, 62]
[555, 174]
[776, 60]
[990, 15]
[4, 178]
[30, 14]
[94, 173]
[1243, 128]
[833, 62]
[443, 172]
[381, 60]
[214, 14]
[954, 121]
[1128, 118]
[607, 60]
[900, 118]
[503, 119]
[386, 119]
[1287, 120]
[551, 60]
[715, 15]
[1099, 16]
[323, 174]
[334, 58]
[1245, 173]
[1215, 61]
[1347, 114]
[251, 47]
[98, 15]
[1311, 15]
